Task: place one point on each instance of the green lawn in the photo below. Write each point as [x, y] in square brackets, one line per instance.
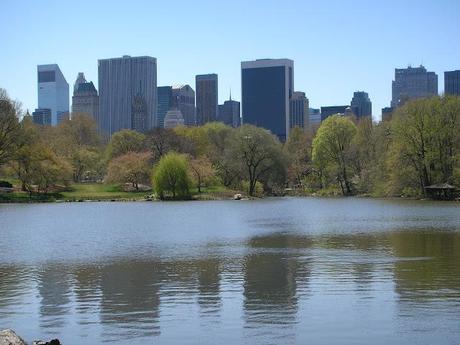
[98, 191]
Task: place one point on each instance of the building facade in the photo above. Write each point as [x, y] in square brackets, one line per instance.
[314, 117]
[267, 86]
[53, 92]
[127, 94]
[412, 83]
[333, 110]
[206, 98]
[164, 103]
[85, 99]
[452, 83]
[42, 117]
[229, 113]
[173, 118]
[298, 111]
[387, 113]
[361, 105]
[183, 98]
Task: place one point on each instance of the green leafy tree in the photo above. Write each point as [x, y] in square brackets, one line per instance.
[426, 140]
[9, 127]
[259, 156]
[331, 149]
[125, 141]
[170, 177]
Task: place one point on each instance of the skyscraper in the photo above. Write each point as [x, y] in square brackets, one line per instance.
[452, 83]
[266, 87]
[164, 103]
[127, 93]
[314, 117]
[412, 83]
[53, 92]
[229, 113]
[85, 99]
[298, 110]
[361, 104]
[333, 110]
[183, 98]
[173, 118]
[206, 98]
[42, 117]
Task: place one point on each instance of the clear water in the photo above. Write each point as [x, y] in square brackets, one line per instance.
[276, 271]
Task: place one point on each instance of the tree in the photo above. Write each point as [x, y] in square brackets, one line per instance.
[9, 127]
[162, 140]
[298, 149]
[202, 171]
[259, 154]
[331, 148]
[133, 167]
[125, 141]
[78, 141]
[170, 176]
[425, 137]
[35, 162]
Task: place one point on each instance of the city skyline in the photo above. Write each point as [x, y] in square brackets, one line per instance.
[329, 67]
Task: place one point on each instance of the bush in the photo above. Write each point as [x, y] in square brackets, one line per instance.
[170, 177]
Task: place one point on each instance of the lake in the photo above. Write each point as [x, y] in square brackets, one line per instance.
[274, 271]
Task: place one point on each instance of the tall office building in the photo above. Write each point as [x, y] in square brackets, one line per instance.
[173, 118]
[452, 83]
[333, 110]
[266, 87]
[413, 83]
[85, 99]
[42, 117]
[127, 93]
[387, 113]
[314, 117]
[53, 92]
[183, 98]
[298, 111]
[361, 104]
[229, 113]
[206, 98]
[164, 103]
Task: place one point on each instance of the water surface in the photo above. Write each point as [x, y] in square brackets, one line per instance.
[276, 271]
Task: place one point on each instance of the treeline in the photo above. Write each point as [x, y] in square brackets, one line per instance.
[418, 148]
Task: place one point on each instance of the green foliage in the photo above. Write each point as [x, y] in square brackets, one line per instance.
[10, 129]
[170, 177]
[258, 189]
[331, 148]
[125, 141]
[258, 156]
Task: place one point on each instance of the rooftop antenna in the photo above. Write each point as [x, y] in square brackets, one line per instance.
[230, 93]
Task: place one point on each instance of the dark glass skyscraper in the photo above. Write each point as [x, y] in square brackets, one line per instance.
[206, 98]
[127, 93]
[361, 104]
[165, 98]
[452, 83]
[412, 83]
[266, 87]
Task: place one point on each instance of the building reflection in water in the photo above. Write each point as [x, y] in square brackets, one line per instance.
[54, 287]
[273, 271]
[130, 299]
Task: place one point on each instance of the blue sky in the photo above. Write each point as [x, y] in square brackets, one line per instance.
[337, 46]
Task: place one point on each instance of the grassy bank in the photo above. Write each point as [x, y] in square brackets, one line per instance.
[106, 192]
